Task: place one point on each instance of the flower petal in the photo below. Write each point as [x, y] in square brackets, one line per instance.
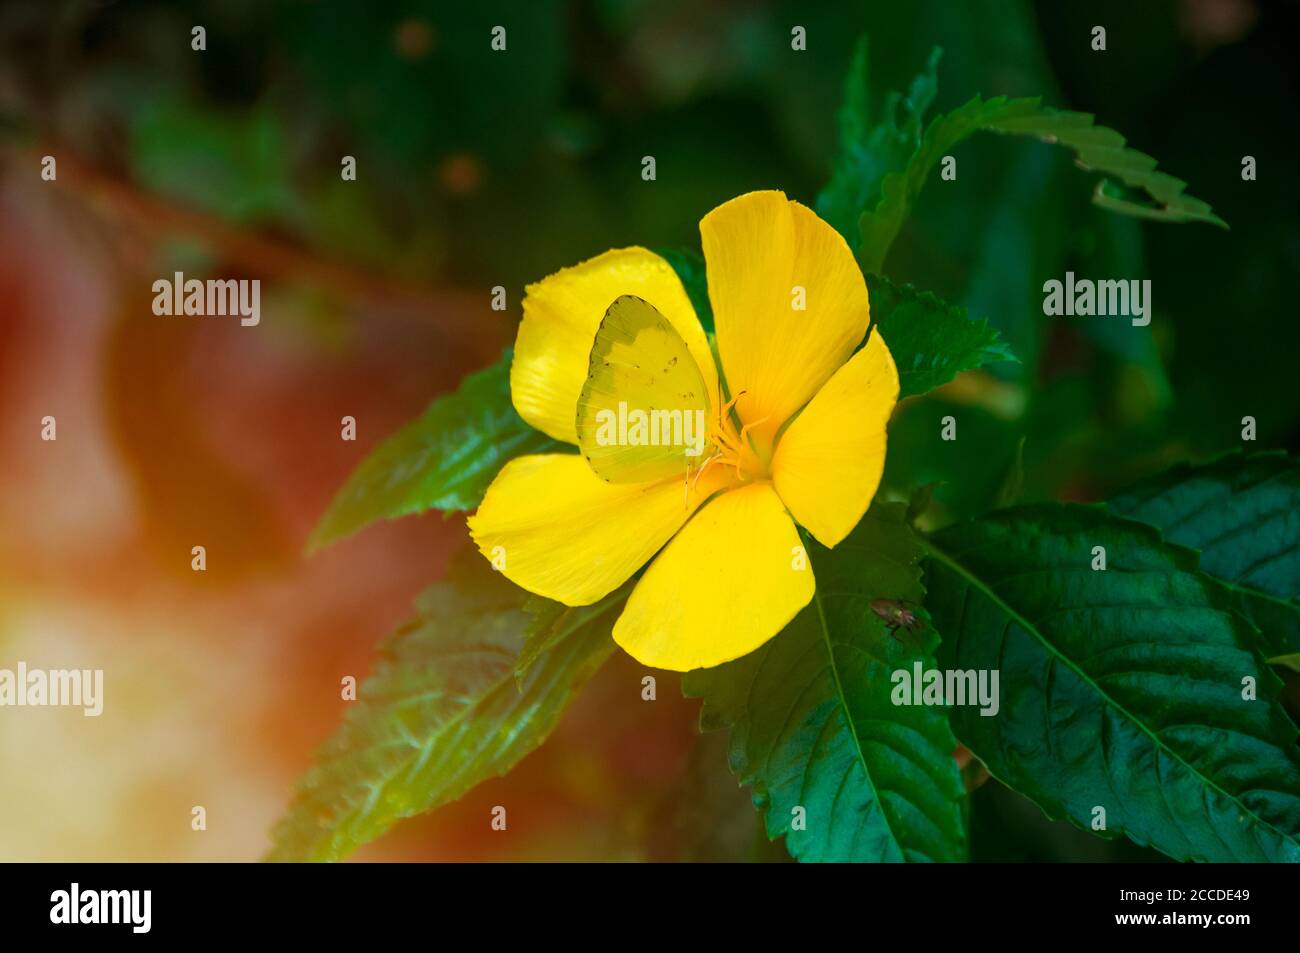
[726, 584]
[558, 530]
[828, 462]
[561, 315]
[760, 249]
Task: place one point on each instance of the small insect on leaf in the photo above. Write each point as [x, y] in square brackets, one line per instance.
[897, 614]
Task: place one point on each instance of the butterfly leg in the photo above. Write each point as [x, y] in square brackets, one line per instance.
[699, 473]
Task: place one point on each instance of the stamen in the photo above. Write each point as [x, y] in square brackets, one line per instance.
[744, 431]
[726, 409]
[722, 439]
[716, 457]
[729, 447]
[744, 434]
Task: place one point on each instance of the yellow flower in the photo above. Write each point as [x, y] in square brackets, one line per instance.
[729, 571]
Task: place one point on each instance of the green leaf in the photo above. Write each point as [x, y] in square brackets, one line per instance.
[1287, 661]
[812, 723]
[931, 341]
[1150, 194]
[443, 460]
[554, 623]
[689, 265]
[868, 150]
[1121, 689]
[441, 713]
[1243, 514]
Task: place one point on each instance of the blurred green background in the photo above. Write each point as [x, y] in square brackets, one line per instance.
[478, 169]
[482, 169]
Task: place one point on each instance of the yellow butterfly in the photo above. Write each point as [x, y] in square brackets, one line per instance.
[644, 409]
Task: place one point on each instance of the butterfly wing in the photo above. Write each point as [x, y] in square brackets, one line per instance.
[644, 406]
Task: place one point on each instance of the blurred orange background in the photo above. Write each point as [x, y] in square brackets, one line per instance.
[219, 684]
